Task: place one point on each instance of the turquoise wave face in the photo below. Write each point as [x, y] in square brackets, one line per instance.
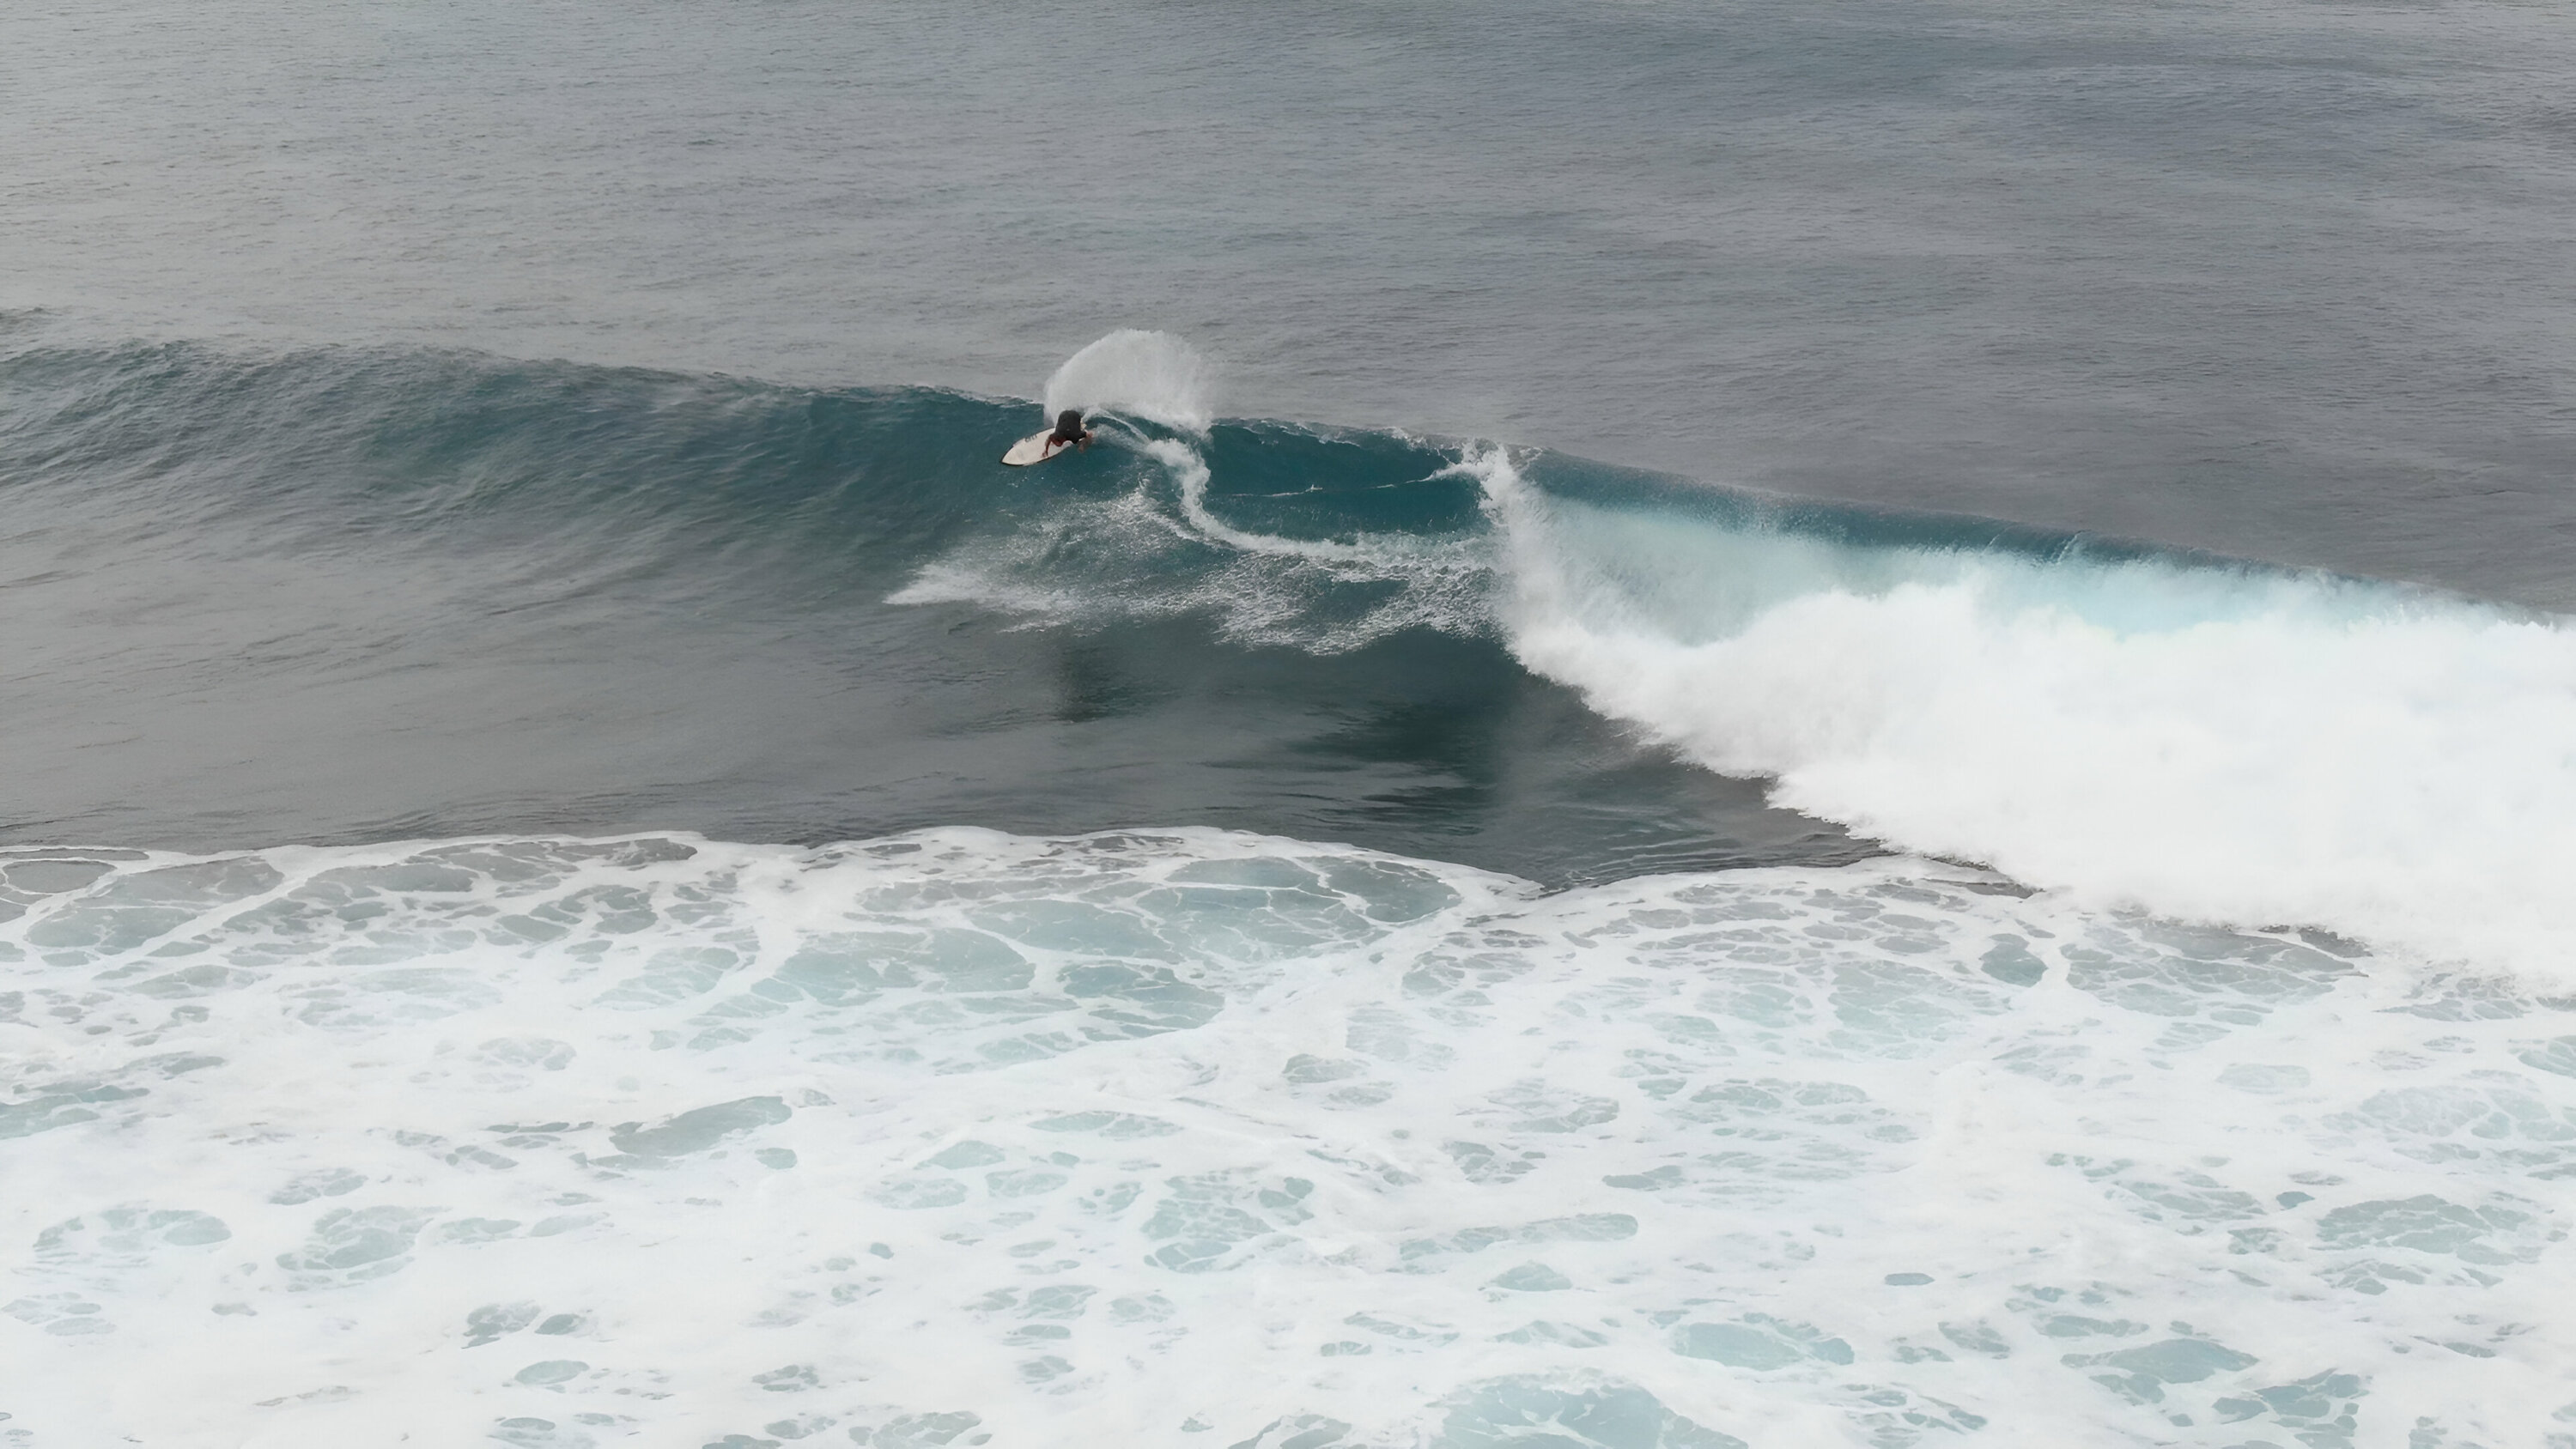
[952, 1132]
[348, 595]
[341, 596]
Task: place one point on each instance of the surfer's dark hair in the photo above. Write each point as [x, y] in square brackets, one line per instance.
[1069, 418]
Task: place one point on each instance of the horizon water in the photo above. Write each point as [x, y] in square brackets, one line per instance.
[1756, 727]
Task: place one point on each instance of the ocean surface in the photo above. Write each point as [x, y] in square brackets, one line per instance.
[1758, 725]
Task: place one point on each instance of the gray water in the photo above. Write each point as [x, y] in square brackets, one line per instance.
[2284, 280]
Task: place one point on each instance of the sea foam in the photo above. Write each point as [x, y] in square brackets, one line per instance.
[2223, 743]
[961, 1138]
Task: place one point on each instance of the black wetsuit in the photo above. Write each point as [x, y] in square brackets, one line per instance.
[1068, 429]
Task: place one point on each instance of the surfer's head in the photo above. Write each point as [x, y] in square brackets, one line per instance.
[1069, 421]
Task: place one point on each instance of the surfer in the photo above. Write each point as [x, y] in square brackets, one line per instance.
[1069, 433]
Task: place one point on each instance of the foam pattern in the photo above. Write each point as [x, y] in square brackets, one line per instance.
[1186, 1137]
[2206, 739]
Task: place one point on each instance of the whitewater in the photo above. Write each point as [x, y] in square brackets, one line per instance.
[2179, 1047]
[961, 1137]
[2216, 741]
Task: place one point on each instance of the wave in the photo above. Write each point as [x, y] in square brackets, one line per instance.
[1625, 1145]
[352, 595]
[2199, 736]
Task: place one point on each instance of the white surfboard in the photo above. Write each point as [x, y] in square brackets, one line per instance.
[1033, 449]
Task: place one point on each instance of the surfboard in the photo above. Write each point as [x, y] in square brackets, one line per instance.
[1033, 449]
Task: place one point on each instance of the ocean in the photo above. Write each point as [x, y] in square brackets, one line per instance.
[1756, 725]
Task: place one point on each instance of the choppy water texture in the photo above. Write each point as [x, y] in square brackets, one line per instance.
[959, 1137]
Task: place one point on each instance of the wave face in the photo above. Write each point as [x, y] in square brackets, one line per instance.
[345, 596]
[2212, 740]
[963, 1138]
